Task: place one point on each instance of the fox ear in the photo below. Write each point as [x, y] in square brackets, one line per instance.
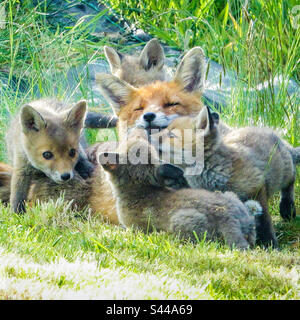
[31, 120]
[110, 161]
[113, 57]
[76, 116]
[152, 55]
[207, 120]
[116, 91]
[191, 70]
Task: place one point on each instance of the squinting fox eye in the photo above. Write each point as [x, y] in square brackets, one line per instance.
[171, 104]
[72, 153]
[48, 155]
[138, 109]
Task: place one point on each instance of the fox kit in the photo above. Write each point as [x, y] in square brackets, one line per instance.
[136, 70]
[154, 106]
[252, 162]
[44, 140]
[144, 202]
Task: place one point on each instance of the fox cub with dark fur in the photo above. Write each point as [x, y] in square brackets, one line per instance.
[252, 162]
[143, 201]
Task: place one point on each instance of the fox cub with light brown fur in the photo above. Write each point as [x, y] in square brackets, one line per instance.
[252, 162]
[144, 202]
[43, 139]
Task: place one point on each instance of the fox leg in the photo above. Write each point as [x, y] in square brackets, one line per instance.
[233, 236]
[264, 227]
[287, 203]
[20, 184]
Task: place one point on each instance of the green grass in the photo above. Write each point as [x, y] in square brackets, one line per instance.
[52, 252]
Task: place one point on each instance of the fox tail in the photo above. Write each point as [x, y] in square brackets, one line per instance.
[253, 207]
[95, 120]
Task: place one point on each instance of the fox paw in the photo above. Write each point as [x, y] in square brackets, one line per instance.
[172, 176]
[84, 168]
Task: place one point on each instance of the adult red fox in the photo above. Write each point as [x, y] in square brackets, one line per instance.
[154, 106]
[137, 70]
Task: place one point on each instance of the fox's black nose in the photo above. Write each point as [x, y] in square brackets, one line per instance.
[149, 116]
[65, 176]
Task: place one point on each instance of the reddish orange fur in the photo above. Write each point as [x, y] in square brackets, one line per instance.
[153, 98]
